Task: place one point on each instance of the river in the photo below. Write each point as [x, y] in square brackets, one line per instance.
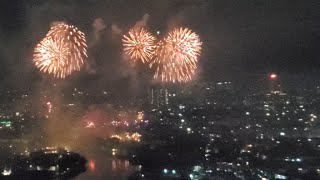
[101, 166]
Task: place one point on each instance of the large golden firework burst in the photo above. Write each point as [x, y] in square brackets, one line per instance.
[139, 44]
[176, 56]
[62, 51]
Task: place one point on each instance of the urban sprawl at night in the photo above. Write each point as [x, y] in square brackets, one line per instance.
[161, 89]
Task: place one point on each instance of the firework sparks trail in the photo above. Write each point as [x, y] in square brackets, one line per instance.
[62, 51]
[139, 45]
[176, 56]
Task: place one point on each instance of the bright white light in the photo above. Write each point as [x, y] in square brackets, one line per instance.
[282, 134]
[165, 171]
[52, 168]
[278, 176]
[273, 76]
[188, 129]
[6, 172]
[197, 168]
[173, 171]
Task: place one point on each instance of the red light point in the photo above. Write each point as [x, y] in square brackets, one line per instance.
[92, 165]
[273, 76]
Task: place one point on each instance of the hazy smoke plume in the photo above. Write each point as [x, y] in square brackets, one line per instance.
[116, 31]
[143, 22]
[98, 26]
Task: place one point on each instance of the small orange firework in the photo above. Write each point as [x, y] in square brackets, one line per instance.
[139, 45]
[177, 56]
[61, 51]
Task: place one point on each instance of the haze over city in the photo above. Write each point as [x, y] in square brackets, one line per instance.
[170, 89]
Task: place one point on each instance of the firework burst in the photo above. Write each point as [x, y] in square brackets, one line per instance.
[176, 56]
[139, 45]
[62, 51]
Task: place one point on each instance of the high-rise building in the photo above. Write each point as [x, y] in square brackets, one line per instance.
[275, 87]
[158, 96]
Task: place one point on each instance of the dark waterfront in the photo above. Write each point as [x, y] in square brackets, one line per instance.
[101, 167]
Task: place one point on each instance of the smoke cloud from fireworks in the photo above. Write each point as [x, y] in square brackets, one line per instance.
[98, 25]
[142, 23]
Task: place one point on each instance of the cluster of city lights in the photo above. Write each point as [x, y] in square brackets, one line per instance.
[127, 137]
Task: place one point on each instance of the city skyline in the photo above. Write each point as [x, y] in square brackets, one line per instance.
[162, 89]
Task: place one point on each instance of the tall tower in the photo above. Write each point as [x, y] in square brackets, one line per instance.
[275, 86]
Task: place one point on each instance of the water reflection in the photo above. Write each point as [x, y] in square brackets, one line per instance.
[101, 166]
[119, 165]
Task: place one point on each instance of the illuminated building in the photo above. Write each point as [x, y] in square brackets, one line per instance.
[5, 124]
[158, 96]
[274, 81]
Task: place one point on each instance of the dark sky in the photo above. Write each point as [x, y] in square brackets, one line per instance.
[242, 40]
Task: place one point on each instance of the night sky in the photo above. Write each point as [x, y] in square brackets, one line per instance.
[242, 40]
